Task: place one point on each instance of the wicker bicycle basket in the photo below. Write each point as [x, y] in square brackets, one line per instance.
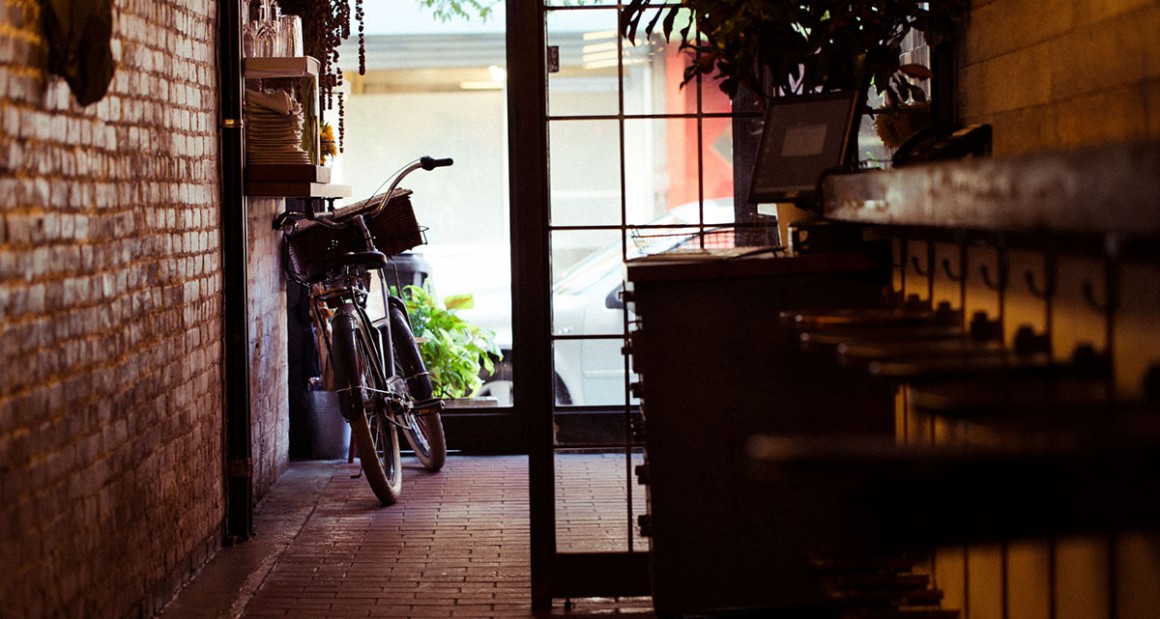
[394, 231]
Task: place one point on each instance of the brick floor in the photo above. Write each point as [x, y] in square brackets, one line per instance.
[456, 545]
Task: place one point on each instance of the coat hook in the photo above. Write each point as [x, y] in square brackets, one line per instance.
[1048, 289]
[1111, 281]
[1000, 282]
[1108, 306]
[1050, 271]
[917, 268]
[995, 284]
[951, 275]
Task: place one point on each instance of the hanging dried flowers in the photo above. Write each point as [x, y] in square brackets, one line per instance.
[325, 25]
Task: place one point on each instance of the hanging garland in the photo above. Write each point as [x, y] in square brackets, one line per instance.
[325, 25]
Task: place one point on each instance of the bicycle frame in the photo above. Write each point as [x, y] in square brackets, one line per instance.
[383, 385]
[327, 296]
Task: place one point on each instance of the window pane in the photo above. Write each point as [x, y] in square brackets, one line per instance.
[654, 75]
[590, 372]
[585, 172]
[586, 83]
[583, 258]
[668, 158]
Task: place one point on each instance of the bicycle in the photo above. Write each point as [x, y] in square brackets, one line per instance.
[374, 366]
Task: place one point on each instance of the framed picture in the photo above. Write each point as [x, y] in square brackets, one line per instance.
[803, 137]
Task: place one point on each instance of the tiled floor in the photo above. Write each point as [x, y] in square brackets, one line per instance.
[456, 545]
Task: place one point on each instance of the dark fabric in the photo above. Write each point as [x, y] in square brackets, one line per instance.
[78, 34]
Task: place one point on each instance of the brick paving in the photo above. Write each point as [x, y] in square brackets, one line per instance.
[456, 545]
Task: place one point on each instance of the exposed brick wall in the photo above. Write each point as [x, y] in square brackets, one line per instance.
[269, 390]
[111, 300]
[1061, 74]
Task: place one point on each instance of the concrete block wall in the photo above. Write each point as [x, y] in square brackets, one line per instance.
[1060, 74]
[111, 491]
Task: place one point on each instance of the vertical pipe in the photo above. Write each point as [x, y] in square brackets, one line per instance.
[239, 465]
[531, 324]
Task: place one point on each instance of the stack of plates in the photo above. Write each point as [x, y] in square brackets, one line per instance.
[274, 128]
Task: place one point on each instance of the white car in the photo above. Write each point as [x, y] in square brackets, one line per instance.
[586, 301]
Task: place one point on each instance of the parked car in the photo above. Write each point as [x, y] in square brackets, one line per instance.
[586, 301]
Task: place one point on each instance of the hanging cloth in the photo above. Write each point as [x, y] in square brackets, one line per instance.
[78, 34]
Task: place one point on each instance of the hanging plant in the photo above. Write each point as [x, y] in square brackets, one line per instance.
[778, 47]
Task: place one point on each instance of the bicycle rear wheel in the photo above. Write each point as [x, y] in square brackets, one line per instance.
[359, 386]
[422, 426]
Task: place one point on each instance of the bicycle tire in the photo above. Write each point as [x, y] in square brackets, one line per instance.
[424, 430]
[371, 430]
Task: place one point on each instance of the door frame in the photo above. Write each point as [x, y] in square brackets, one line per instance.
[553, 574]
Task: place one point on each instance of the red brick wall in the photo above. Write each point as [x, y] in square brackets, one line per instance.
[1061, 74]
[111, 300]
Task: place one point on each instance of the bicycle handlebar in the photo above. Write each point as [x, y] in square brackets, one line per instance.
[430, 163]
[425, 162]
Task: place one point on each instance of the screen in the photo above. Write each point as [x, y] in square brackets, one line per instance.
[803, 136]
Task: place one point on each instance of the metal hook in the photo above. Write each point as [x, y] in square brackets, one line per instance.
[1108, 306]
[1050, 272]
[1048, 289]
[1111, 281]
[1000, 283]
[917, 268]
[994, 284]
[946, 265]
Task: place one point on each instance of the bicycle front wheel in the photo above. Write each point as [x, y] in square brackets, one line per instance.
[422, 426]
[360, 389]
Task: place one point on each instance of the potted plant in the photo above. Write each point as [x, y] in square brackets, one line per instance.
[453, 349]
[783, 47]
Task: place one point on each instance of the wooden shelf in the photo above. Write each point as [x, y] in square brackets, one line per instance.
[286, 172]
[296, 189]
[296, 66]
[289, 180]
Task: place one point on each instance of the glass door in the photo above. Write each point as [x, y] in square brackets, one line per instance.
[635, 164]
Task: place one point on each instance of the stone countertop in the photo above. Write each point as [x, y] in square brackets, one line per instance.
[1107, 189]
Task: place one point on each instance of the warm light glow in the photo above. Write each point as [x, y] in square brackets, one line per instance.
[498, 80]
[598, 56]
[598, 47]
[480, 85]
[599, 35]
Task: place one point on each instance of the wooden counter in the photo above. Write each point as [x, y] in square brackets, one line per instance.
[716, 368]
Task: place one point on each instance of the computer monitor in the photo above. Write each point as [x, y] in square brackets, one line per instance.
[803, 137]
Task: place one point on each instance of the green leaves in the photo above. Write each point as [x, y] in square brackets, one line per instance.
[453, 349]
[445, 10]
[774, 47]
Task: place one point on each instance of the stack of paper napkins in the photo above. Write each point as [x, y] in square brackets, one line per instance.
[274, 128]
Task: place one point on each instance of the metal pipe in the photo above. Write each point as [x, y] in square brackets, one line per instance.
[236, 321]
